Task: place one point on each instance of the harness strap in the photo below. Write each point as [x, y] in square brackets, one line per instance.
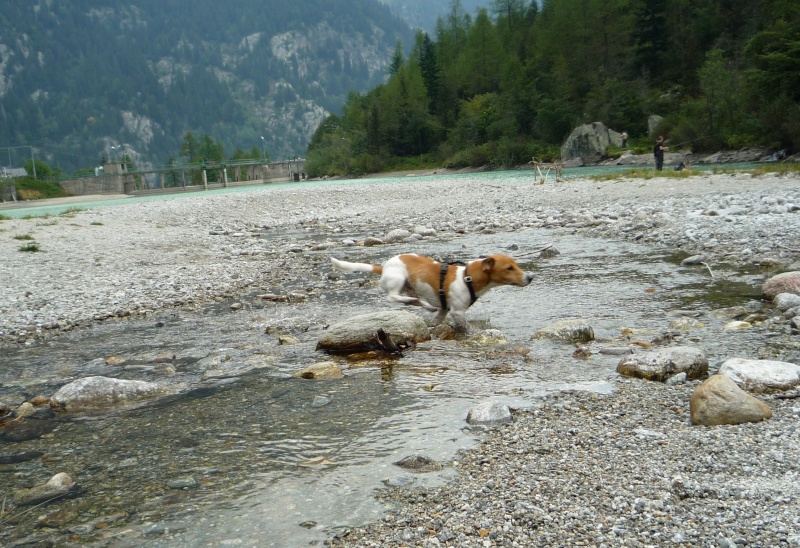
[443, 273]
[467, 280]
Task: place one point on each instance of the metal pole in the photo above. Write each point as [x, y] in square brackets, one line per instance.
[33, 163]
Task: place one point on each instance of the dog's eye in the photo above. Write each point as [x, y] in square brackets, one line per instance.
[510, 268]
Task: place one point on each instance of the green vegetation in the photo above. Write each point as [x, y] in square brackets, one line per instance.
[70, 211]
[96, 223]
[30, 247]
[649, 173]
[513, 81]
[23, 237]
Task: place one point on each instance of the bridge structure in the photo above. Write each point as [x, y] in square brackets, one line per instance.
[115, 178]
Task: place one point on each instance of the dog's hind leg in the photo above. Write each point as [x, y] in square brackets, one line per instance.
[440, 316]
[398, 291]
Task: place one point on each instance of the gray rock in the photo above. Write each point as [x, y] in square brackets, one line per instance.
[357, 334]
[786, 301]
[693, 260]
[761, 375]
[680, 378]
[489, 413]
[396, 235]
[419, 463]
[575, 330]
[663, 363]
[95, 392]
[589, 142]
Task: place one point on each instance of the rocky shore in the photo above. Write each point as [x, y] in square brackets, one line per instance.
[126, 260]
[625, 468]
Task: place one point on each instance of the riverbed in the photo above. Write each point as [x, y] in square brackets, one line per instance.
[262, 458]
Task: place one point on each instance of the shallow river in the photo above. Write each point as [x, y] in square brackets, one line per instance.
[265, 459]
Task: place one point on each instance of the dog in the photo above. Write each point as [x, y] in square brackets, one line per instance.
[421, 281]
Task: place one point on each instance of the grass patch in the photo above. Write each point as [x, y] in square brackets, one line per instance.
[29, 188]
[23, 237]
[650, 173]
[96, 223]
[4, 217]
[646, 173]
[71, 211]
[30, 247]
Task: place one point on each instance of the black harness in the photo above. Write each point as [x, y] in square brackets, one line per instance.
[467, 280]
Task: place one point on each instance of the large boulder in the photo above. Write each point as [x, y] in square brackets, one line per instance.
[719, 400]
[788, 282]
[589, 143]
[761, 375]
[358, 334]
[663, 363]
[99, 392]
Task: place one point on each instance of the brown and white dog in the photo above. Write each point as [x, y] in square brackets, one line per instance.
[441, 287]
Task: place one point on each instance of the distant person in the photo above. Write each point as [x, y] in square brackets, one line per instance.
[658, 152]
[624, 139]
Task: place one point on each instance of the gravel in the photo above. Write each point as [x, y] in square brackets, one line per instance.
[625, 468]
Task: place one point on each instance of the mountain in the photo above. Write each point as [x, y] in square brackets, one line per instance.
[423, 14]
[82, 79]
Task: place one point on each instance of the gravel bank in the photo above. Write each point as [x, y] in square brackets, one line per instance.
[626, 469]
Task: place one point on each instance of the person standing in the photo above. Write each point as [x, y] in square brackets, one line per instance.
[658, 152]
[624, 139]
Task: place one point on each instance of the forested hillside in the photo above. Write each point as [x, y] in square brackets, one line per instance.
[84, 78]
[514, 80]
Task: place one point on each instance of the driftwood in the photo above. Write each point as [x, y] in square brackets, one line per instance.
[385, 343]
[543, 169]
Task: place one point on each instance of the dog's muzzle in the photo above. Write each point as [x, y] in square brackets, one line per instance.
[528, 278]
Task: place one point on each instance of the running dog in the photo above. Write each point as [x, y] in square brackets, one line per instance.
[421, 281]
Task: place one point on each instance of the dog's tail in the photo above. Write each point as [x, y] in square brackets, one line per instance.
[344, 266]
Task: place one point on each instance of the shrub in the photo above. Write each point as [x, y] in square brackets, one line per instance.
[30, 247]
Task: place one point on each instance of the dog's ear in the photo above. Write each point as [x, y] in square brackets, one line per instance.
[487, 264]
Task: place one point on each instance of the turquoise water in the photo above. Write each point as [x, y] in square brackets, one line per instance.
[18, 211]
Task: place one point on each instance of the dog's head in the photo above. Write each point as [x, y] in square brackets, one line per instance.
[503, 270]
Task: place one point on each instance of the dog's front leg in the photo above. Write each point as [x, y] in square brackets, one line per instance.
[460, 319]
